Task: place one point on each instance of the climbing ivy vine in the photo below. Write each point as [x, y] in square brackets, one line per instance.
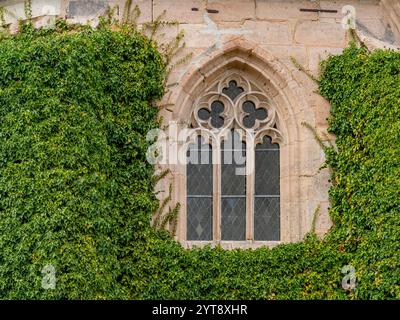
[76, 191]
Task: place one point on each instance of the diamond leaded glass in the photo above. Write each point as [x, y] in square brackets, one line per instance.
[267, 192]
[218, 110]
[233, 188]
[233, 218]
[266, 219]
[199, 218]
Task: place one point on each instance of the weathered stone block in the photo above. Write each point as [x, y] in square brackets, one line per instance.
[323, 222]
[284, 53]
[232, 10]
[279, 10]
[198, 35]
[364, 9]
[166, 33]
[375, 28]
[266, 32]
[322, 111]
[144, 6]
[315, 33]
[178, 10]
[86, 8]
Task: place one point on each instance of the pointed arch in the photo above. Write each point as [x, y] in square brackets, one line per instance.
[275, 80]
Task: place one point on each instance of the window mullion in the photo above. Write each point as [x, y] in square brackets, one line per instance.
[217, 192]
[249, 189]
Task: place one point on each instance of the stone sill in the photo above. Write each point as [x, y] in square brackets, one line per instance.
[229, 245]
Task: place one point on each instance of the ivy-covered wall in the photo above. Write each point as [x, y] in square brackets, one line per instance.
[76, 191]
[364, 91]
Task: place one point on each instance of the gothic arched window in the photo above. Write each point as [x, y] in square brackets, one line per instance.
[233, 165]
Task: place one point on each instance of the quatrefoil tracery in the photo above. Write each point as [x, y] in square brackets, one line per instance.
[236, 100]
[253, 114]
[233, 90]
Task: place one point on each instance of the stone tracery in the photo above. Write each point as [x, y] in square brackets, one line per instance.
[237, 103]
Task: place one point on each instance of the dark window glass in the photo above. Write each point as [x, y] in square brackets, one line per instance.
[204, 114]
[266, 219]
[252, 114]
[232, 91]
[199, 181]
[233, 188]
[217, 107]
[233, 224]
[267, 192]
[199, 218]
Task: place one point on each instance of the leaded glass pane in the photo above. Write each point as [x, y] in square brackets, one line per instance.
[267, 168]
[267, 192]
[233, 188]
[199, 182]
[266, 219]
[233, 216]
[199, 179]
[233, 167]
[199, 218]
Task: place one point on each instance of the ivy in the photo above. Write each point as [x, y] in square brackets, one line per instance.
[76, 191]
[364, 91]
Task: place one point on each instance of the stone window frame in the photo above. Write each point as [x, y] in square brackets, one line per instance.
[233, 115]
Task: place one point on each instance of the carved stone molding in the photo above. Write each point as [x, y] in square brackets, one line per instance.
[247, 73]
